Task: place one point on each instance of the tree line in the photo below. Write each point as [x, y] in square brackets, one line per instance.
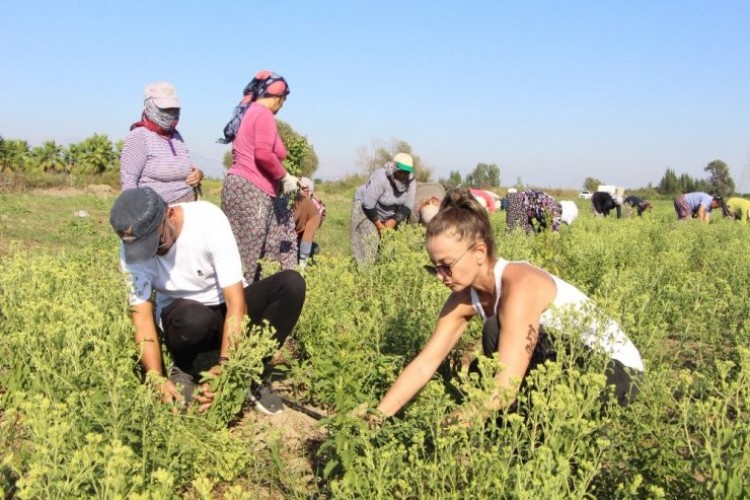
[94, 155]
[98, 155]
[718, 183]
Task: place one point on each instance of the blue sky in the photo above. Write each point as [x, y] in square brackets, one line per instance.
[551, 92]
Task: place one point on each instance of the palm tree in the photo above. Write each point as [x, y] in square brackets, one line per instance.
[48, 157]
[14, 155]
[97, 155]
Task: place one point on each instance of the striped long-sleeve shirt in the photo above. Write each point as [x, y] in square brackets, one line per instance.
[151, 160]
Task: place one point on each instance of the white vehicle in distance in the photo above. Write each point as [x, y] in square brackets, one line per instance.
[586, 195]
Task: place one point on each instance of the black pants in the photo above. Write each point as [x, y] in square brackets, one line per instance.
[618, 375]
[193, 331]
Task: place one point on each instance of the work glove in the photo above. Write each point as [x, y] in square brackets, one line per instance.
[289, 184]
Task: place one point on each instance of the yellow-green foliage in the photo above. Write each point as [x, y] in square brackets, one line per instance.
[76, 419]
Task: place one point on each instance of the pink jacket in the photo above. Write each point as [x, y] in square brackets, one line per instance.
[258, 150]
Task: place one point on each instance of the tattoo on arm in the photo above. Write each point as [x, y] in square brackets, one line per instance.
[532, 335]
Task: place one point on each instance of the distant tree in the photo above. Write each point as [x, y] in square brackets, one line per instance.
[96, 155]
[720, 181]
[484, 175]
[383, 153]
[14, 155]
[454, 179]
[310, 164]
[685, 184]
[48, 157]
[669, 184]
[591, 184]
[228, 159]
[301, 158]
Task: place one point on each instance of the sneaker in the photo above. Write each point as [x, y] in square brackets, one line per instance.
[266, 400]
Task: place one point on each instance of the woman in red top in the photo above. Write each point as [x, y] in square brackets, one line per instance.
[253, 195]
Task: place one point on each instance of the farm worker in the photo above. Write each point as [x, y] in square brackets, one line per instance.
[740, 208]
[639, 204]
[487, 199]
[602, 203]
[536, 210]
[187, 254]
[154, 154]
[519, 304]
[307, 219]
[427, 198]
[257, 186]
[698, 205]
[386, 200]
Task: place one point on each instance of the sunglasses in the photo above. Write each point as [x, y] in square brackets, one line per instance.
[445, 270]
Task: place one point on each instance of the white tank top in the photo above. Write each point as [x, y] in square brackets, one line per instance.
[595, 329]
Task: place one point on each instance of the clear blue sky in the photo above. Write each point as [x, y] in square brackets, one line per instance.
[552, 92]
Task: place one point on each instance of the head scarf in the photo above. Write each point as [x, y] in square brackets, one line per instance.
[265, 84]
[400, 187]
[156, 120]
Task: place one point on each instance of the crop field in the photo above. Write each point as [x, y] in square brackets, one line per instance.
[76, 420]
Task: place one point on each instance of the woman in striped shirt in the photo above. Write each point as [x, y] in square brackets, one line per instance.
[154, 154]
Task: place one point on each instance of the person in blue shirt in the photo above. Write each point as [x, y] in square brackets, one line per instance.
[698, 205]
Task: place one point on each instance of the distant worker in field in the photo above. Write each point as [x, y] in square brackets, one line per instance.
[603, 203]
[634, 202]
[427, 199]
[187, 254]
[307, 219]
[521, 306]
[535, 211]
[154, 154]
[384, 202]
[489, 200]
[698, 205]
[739, 208]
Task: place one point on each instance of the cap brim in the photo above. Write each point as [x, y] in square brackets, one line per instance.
[141, 249]
[167, 102]
[404, 167]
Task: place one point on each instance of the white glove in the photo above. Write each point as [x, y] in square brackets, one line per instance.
[289, 184]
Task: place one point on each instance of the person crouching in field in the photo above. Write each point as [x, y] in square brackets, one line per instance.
[639, 204]
[516, 301]
[427, 198]
[384, 202]
[187, 254]
[739, 208]
[698, 205]
[535, 211]
[307, 219]
[602, 203]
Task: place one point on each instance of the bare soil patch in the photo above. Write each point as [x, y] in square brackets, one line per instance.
[97, 189]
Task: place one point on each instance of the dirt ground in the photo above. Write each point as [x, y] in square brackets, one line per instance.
[98, 189]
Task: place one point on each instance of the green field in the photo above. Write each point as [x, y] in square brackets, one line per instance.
[76, 421]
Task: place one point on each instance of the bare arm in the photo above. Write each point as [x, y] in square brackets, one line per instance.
[527, 292]
[234, 296]
[146, 338]
[147, 341]
[452, 322]
[311, 227]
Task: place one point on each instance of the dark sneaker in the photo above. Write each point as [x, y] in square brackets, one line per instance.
[266, 400]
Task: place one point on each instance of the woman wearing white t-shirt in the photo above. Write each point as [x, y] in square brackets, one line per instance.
[514, 298]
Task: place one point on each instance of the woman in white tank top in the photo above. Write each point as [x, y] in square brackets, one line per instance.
[516, 295]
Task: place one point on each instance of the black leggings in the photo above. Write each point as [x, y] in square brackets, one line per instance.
[618, 375]
[193, 331]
